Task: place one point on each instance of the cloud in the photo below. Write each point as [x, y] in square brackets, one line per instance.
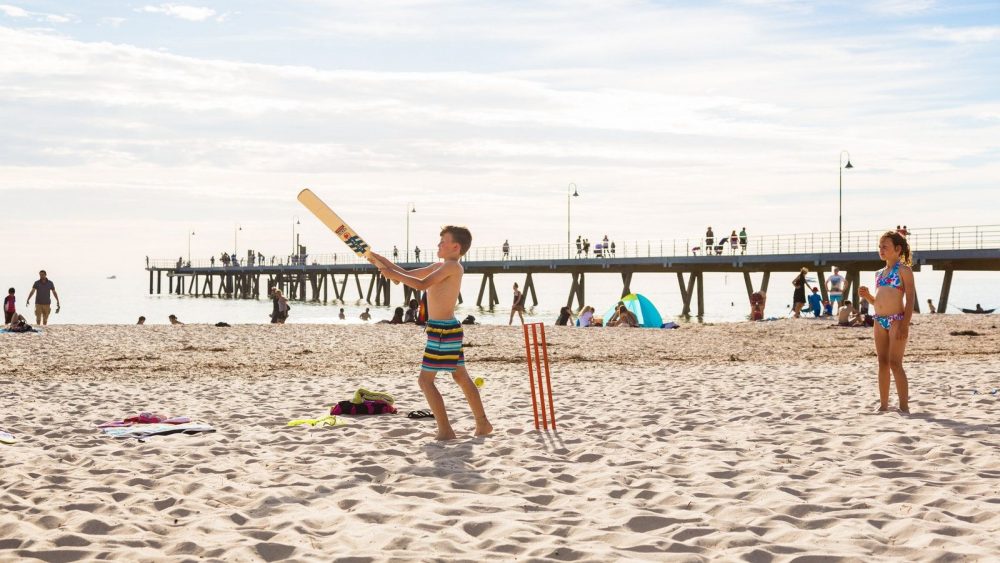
[181, 11]
[971, 34]
[21, 13]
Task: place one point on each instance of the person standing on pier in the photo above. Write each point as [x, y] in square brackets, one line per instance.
[586, 248]
[709, 240]
[579, 245]
[416, 252]
[43, 304]
[395, 254]
[743, 240]
[506, 250]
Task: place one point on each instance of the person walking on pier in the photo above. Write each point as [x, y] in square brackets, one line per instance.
[416, 252]
[612, 249]
[743, 240]
[211, 260]
[506, 250]
[709, 241]
[734, 240]
[395, 254]
[43, 304]
[579, 245]
[586, 248]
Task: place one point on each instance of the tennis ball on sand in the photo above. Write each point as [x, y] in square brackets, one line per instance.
[479, 381]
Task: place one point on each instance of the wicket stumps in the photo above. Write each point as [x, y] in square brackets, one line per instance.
[536, 363]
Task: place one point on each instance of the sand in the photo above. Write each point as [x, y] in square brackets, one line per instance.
[735, 442]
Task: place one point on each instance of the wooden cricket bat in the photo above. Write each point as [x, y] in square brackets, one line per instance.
[333, 222]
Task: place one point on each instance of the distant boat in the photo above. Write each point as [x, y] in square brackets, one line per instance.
[978, 311]
[112, 277]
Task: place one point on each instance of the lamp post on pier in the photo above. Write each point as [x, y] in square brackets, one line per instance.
[410, 208]
[190, 234]
[236, 229]
[840, 199]
[295, 250]
[569, 251]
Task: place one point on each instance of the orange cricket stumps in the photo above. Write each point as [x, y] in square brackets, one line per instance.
[536, 361]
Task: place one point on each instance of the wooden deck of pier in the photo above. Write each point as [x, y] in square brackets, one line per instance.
[332, 282]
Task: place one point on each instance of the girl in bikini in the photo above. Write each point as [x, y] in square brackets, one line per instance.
[893, 301]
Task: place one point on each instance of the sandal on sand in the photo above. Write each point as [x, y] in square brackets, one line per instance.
[420, 414]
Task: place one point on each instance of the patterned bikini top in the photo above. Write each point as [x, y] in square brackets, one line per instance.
[890, 279]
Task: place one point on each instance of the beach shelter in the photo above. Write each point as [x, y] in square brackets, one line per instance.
[642, 308]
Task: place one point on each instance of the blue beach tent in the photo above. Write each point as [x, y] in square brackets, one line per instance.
[642, 308]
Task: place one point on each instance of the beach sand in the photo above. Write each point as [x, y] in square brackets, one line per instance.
[739, 441]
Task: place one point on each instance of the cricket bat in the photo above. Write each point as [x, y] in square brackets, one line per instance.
[333, 222]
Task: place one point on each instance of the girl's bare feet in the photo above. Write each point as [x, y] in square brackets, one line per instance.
[445, 436]
[882, 409]
[483, 428]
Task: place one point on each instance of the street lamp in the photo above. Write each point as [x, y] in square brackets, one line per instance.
[410, 208]
[569, 252]
[236, 229]
[840, 198]
[295, 221]
[190, 234]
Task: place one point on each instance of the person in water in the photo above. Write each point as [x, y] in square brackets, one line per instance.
[893, 301]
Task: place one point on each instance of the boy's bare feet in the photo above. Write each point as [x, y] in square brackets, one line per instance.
[483, 428]
[442, 436]
[882, 408]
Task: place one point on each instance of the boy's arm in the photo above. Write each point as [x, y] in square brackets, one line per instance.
[390, 265]
[442, 272]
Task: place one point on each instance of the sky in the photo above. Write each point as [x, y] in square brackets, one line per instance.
[126, 126]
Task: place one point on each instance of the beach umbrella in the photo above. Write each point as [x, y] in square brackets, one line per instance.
[642, 308]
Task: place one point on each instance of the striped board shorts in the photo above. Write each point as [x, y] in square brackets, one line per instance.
[444, 346]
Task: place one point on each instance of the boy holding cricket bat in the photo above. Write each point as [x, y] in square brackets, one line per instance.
[443, 352]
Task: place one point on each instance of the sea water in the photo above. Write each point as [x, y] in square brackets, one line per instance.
[98, 300]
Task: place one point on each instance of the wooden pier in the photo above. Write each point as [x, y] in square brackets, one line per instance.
[331, 282]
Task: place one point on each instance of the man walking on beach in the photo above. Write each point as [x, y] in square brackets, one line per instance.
[835, 284]
[43, 304]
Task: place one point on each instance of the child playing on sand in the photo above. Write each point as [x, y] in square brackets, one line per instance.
[9, 306]
[443, 352]
[815, 302]
[893, 301]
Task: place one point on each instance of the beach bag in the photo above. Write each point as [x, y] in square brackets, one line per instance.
[367, 407]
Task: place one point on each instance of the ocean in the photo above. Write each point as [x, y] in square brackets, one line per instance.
[98, 300]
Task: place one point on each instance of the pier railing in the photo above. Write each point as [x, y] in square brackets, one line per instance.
[975, 237]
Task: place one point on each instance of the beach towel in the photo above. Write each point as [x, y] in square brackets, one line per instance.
[327, 420]
[32, 331]
[362, 395]
[157, 429]
[144, 418]
[367, 407]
